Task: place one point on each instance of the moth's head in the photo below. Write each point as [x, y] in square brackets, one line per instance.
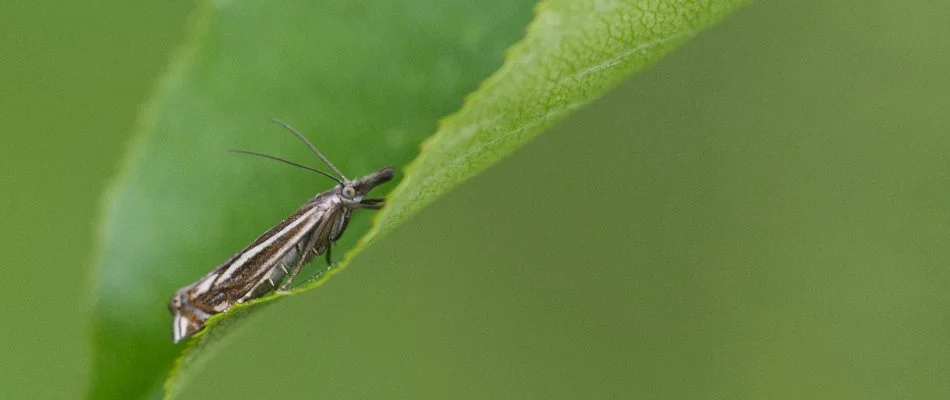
[185, 319]
[352, 192]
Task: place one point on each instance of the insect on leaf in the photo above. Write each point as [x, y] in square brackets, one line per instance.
[367, 82]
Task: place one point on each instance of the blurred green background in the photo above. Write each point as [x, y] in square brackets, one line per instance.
[760, 215]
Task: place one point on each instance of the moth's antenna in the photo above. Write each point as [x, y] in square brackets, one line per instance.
[288, 162]
[311, 146]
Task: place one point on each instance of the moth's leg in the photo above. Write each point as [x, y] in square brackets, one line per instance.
[329, 259]
[373, 204]
[299, 264]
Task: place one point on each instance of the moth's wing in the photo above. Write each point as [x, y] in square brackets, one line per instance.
[328, 233]
[315, 243]
[244, 270]
[340, 225]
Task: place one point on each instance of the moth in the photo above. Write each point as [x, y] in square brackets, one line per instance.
[276, 257]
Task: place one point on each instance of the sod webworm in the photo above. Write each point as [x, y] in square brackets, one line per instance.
[275, 258]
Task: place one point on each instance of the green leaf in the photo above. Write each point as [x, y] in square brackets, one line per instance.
[574, 51]
[367, 82]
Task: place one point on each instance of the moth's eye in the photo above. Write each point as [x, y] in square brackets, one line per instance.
[349, 192]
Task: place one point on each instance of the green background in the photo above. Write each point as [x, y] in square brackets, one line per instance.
[760, 215]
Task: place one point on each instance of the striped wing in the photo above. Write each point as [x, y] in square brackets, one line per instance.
[323, 232]
[242, 273]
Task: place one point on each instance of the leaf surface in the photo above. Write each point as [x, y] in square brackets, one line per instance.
[574, 51]
[364, 81]
[367, 82]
